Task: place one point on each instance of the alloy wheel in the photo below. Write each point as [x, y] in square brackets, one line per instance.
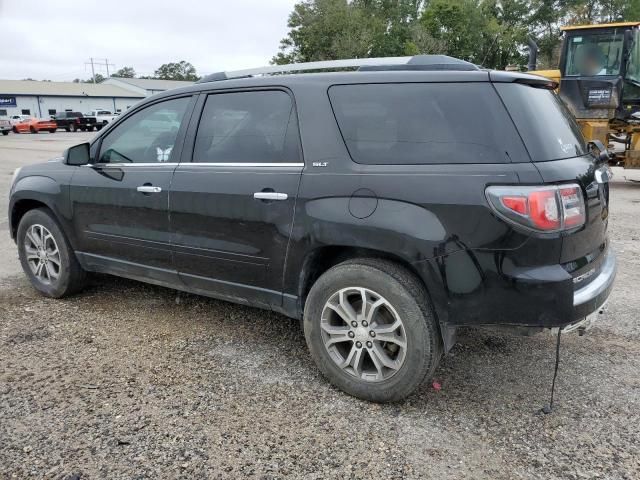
[42, 254]
[363, 334]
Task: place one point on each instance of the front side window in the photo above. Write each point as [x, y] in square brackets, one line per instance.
[425, 123]
[595, 54]
[247, 127]
[148, 136]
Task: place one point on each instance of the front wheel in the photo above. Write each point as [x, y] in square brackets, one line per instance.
[46, 256]
[5, 132]
[52, 130]
[370, 329]
[33, 130]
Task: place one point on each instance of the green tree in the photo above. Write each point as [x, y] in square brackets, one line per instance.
[125, 72]
[327, 30]
[631, 12]
[177, 71]
[492, 33]
[460, 25]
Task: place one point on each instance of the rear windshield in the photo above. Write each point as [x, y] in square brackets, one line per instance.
[425, 123]
[548, 129]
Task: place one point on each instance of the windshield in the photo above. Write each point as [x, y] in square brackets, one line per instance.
[594, 54]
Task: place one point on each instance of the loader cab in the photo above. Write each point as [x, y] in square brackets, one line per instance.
[600, 70]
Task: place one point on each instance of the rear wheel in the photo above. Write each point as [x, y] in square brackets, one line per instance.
[90, 129]
[46, 256]
[5, 132]
[68, 128]
[52, 130]
[33, 130]
[370, 329]
[98, 127]
[15, 130]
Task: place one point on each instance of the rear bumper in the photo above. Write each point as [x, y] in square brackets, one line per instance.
[589, 298]
[493, 290]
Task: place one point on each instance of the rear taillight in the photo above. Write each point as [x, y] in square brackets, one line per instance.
[543, 209]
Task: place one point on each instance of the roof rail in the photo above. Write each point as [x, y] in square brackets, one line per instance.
[417, 62]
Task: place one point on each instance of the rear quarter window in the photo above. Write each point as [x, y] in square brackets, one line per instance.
[425, 123]
[548, 129]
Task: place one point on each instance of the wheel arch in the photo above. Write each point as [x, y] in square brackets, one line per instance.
[20, 208]
[321, 259]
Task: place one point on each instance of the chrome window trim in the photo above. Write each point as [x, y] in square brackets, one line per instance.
[140, 164]
[243, 164]
[196, 164]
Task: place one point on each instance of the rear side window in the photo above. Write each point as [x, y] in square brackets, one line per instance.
[425, 123]
[248, 127]
[548, 129]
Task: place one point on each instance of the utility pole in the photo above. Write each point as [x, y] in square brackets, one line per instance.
[94, 62]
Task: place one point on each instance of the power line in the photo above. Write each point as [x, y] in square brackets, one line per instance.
[94, 62]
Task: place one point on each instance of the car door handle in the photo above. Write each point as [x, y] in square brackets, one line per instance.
[148, 189]
[270, 196]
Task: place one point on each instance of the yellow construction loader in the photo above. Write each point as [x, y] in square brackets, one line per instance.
[599, 77]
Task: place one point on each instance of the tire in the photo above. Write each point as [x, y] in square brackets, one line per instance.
[33, 130]
[52, 130]
[15, 130]
[5, 132]
[67, 128]
[406, 300]
[90, 129]
[98, 127]
[70, 276]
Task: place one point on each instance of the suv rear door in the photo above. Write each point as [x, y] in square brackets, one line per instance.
[120, 202]
[232, 205]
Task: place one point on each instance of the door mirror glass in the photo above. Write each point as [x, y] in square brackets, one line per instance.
[77, 155]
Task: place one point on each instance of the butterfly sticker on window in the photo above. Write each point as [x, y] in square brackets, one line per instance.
[163, 155]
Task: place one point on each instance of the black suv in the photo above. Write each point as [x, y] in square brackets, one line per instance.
[385, 207]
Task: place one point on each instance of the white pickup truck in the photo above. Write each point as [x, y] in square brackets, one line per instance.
[103, 117]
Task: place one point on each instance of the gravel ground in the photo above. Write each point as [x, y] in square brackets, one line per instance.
[133, 381]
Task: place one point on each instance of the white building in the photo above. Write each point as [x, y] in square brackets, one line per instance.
[43, 99]
[145, 86]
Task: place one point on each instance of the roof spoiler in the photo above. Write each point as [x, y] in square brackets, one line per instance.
[535, 81]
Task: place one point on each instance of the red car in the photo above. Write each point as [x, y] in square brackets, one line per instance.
[35, 125]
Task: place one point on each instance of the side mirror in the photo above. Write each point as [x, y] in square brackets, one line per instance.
[603, 153]
[77, 155]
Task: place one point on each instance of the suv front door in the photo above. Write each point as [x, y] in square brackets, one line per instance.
[120, 202]
[231, 207]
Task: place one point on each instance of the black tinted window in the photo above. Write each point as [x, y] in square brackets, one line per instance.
[148, 136]
[425, 123]
[247, 127]
[547, 128]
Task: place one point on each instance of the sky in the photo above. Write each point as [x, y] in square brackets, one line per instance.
[52, 40]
